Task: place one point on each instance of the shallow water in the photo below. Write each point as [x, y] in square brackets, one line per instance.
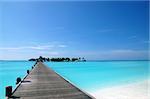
[90, 76]
[9, 71]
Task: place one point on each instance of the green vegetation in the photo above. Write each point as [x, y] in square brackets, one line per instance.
[63, 59]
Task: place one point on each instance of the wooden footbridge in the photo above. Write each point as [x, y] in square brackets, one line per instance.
[44, 83]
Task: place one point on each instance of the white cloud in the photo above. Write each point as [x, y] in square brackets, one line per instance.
[124, 51]
[105, 30]
[40, 47]
[25, 47]
[132, 37]
[33, 50]
[147, 42]
[62, 46]
[48, 52]
[115, 54]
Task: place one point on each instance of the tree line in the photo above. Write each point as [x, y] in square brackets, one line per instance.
[63, 59]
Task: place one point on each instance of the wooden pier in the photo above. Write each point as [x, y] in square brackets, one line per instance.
[44, 83]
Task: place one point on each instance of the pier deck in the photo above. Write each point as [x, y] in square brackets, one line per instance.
[44, 83]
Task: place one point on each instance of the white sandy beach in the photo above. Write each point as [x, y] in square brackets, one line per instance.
[138, 90]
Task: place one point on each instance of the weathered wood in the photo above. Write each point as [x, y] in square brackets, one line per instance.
[44, 83]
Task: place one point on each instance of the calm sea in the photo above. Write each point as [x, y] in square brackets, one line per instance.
[88, 76]
[9, 71]
[91, 76]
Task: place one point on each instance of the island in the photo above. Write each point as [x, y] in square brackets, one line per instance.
[59, 59]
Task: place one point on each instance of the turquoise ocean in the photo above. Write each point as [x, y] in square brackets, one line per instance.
[89, 76]
[9, 71]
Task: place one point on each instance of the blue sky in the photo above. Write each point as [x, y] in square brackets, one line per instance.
[94, 30]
